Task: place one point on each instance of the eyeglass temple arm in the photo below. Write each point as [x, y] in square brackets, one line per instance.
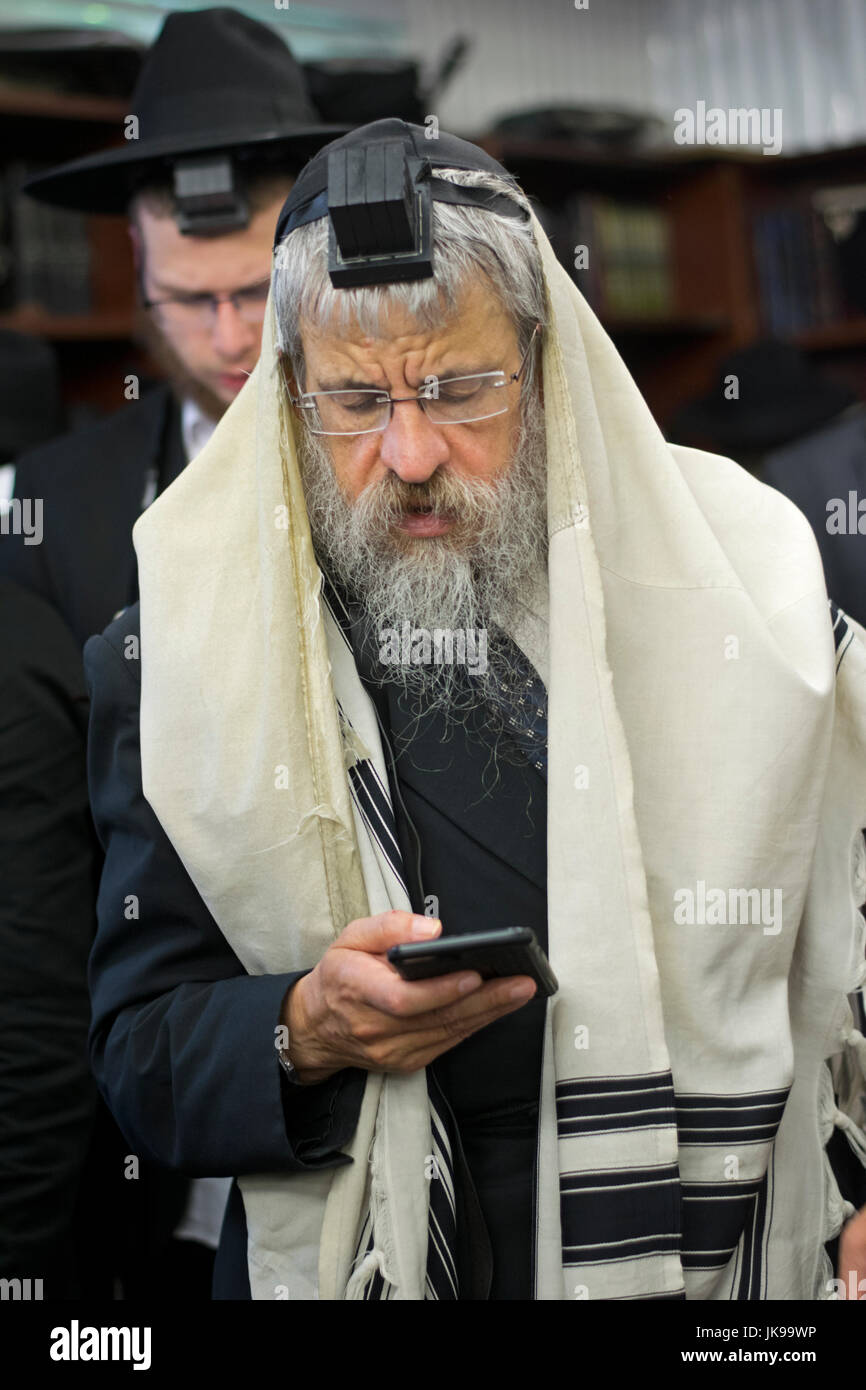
[515, 376]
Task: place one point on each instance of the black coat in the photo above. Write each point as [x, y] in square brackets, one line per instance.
[48, 881]
[92, 484]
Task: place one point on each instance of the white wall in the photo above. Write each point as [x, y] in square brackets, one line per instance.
[806, 56]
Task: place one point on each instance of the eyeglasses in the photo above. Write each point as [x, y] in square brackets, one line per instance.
[456, 400]
[200, 309]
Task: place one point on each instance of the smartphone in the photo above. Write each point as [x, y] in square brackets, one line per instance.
[494, 954]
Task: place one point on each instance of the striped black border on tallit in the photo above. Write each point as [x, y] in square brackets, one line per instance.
[598, 1208]
[374, 806]
[715, 1215]
[843, 632]
[614, 1214]
[610, 1104]
[751, 1118]
[750, 1275]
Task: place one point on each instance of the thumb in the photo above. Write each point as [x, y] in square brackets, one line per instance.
[378, 934]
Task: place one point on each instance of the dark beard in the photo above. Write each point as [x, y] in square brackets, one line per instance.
[469, 581]
[184, 386]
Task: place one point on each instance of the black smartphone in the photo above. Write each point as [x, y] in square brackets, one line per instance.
[494, 954]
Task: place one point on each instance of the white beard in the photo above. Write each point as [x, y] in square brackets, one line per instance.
[468, 581]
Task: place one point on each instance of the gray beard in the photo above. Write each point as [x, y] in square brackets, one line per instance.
[467, 583]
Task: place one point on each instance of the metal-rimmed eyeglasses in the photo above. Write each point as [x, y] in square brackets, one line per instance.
[456, 400]
[200, 309]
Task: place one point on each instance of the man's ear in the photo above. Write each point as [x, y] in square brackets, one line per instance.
[288, 374]
[290, 380]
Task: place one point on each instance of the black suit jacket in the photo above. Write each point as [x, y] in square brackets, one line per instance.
[182, 1039]
[92, 484]
[48, 879]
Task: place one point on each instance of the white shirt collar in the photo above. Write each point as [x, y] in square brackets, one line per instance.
[196, 428]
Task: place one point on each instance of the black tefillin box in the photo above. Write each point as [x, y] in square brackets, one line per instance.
[380, 217]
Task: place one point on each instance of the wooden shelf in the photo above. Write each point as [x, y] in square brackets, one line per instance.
[62, 106]
[67, 327]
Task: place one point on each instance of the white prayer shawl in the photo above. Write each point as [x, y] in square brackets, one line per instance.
[701, 742]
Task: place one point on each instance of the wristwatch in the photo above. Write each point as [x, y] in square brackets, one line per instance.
[288, 1065]
[286, 1062]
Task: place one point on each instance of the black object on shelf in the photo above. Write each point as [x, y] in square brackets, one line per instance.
[603, 127]
[355, 91]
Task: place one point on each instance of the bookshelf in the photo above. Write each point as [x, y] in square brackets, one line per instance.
[85, 305]
[721, 279]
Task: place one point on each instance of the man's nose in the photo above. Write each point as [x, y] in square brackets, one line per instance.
[233, 337]
[411, 446]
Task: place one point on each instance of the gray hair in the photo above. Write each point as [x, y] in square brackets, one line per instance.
[466, 241]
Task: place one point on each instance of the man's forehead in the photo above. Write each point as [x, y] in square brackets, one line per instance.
[478, 324]
[190, 263]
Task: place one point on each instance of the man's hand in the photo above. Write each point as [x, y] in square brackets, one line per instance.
[852, 1254]
[354, 1010]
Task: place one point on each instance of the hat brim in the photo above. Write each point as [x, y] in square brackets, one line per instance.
[761, 427]
[105, 182]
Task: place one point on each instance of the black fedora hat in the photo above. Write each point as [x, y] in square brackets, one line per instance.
[214, 80]
[780, 396]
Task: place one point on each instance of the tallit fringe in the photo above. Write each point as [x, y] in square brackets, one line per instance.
[836, 1209]
[372, 1264]
[855, 1065]
[382, 1258]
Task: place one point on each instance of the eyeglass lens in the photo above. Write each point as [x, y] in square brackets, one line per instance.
[446, 403]
[249, 304]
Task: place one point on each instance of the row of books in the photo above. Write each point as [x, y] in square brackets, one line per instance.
[619, 254]
[45, 255]
[808, 274]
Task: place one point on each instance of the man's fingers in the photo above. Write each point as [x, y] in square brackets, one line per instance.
[378, 934]
[384, 989]
[421, 1045]
[423, 1001]
[493, 1000]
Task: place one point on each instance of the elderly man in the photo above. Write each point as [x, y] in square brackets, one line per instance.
[438, 634]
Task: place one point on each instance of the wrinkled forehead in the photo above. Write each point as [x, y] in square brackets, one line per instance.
[382, 324]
